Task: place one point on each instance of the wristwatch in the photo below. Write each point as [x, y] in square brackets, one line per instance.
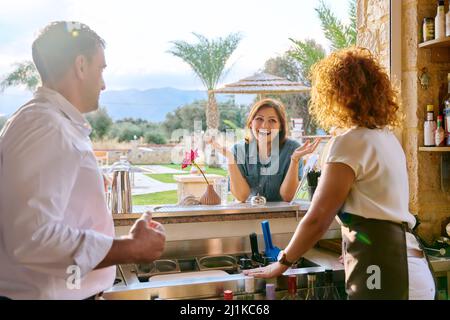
[283, 259]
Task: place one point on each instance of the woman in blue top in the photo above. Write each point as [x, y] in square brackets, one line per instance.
[267, 162]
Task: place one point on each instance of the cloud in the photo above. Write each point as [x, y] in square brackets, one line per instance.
[138, 33]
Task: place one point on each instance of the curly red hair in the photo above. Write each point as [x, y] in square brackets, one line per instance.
[349, 87]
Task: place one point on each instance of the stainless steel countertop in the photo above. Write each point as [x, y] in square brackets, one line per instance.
[198, 287]
[232, 208]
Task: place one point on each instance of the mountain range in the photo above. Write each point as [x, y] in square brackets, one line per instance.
[151, 104]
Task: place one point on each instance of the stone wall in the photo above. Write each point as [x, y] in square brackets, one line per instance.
[426, 199]
[432, 205]
[373, 28]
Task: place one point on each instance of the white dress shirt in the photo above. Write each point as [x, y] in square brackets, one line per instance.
[54, 221]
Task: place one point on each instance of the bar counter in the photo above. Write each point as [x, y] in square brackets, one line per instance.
[171, 214]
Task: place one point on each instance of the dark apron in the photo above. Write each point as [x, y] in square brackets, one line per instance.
[375, 258]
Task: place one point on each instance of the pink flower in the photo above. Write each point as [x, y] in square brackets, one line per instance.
[189, 160]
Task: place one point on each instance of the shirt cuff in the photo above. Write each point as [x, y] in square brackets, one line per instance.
[92, 250]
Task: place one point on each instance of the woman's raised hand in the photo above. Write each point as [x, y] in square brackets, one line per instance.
[217, 146]
[305, 149]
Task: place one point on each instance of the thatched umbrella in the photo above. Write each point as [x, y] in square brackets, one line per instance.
[263, 83]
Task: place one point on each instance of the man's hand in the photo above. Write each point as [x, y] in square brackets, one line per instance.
[148, 238]
[144, 244]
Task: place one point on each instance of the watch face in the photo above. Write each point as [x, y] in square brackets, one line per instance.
[280, 255]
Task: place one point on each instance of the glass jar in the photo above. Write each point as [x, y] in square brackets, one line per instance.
[428, 29]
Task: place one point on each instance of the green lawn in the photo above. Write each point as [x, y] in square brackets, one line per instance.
[165, 197]
[164, 177]
[208, 170]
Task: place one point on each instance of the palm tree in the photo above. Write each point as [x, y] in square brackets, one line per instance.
[341, 36]
[208, 59]
[25, 73]
[306, 53]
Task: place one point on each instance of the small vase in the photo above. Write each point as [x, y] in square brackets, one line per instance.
[210, 196]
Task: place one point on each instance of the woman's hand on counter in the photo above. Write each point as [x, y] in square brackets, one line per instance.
[305, 149]
[271, 271]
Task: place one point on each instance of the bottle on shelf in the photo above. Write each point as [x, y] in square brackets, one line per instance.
[439, 133]
[311, 294]
[429, 127]
[447, 24]
[447, 125]
[428, 29]
[330, 291]
[292, 289]
[446, 113]
[270, 291]
[439, 20]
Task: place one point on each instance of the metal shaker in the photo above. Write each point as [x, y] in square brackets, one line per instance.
[121, 187]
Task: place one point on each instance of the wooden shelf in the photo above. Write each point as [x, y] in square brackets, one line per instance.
[437, 43]
[440, 49]
[435, 149]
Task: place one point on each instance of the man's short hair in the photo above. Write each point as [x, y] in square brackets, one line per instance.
[59, 43]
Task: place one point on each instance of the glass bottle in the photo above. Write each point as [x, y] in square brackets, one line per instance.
[429, 127]
[249, 287]
[446, 113]
[270, 291]
[439, 133]
[292, 289]
[330, 291]
[428, 29]
[228, 295]
[311, 294]
[439, 21]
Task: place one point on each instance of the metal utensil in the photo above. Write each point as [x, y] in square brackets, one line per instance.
[121, 187]
[441, 251]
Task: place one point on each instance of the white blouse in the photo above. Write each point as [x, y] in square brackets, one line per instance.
[381, 189]
[54, 221]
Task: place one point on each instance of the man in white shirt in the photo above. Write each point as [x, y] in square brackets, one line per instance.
[56, 234]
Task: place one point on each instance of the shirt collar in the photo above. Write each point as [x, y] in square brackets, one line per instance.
[58, 101]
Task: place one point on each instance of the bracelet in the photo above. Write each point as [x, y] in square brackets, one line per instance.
[293, 160]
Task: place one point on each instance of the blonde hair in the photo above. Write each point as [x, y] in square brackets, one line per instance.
[349, 87]
[281, 113]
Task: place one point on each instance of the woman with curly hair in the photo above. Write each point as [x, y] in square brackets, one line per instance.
[364, 184]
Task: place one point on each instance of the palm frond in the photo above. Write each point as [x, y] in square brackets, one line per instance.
[307, 53]
[352, 30]
[207, 58]
[339, 35]
[25, 73]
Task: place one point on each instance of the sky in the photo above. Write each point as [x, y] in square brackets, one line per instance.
[138, 33]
